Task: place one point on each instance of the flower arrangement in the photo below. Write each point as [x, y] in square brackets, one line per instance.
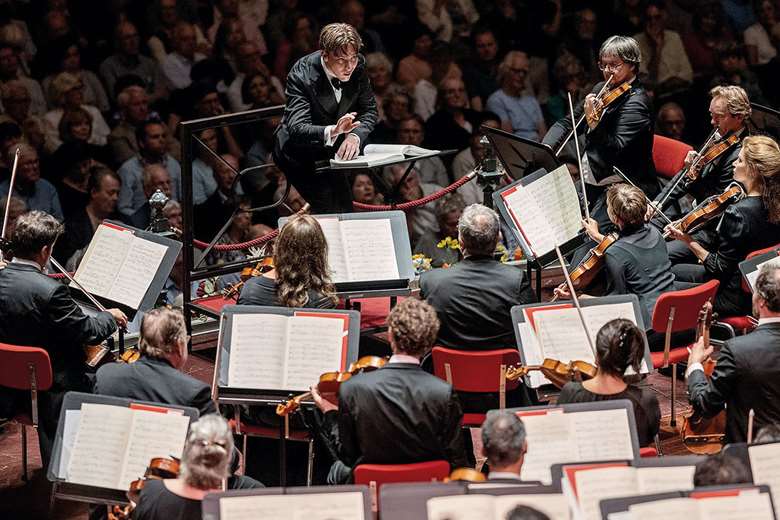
[421, 263]
[449, 243]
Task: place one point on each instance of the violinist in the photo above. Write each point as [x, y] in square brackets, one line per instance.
[749, 224]
[729, 110]
[397, 414]
[300, 275]
[619, 345]
[618, 134]
[637, 263]
[747, 373]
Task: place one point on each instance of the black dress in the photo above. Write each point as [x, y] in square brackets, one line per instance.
[158, 503]
[646, 409]
[261, 290]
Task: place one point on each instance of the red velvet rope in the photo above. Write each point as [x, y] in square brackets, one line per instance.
[416, 203]
[235, 247]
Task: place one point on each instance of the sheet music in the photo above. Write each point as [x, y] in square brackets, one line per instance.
[69, 429]
[369, 250]
[533, 353]
[530, 218]
[666, 478]
[105, 254]
[460, 507]
[602, 434]
[315, 506]
[152, 434]
[553, 505]
[314, 346]
[137, 272]
[336, 259]
[258, 351]
[765, 466]
[669, 508]
[750, 505]
[599, 484]
[550, 441]
[753, 275]
[99, 449]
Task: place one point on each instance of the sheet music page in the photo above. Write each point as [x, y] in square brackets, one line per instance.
[531, 219]
[152, 434]
[137, 272]
[315, 506]
[369, 250]
[100, 446]
[336, 259]
[595, 485]
[314, 346]
[101, 263]
[602, 434]
[550, 441]
[69, 430]
[533, 353]
[765, 466]
[553, 505]
[258, 351]
[750, 505]
[670, 508]
[460, 507]
[561, 204]
[752, 276]
[663, 479]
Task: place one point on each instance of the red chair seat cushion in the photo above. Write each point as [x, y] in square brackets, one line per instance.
[739, 322]
[676, 355]
[391, 473]
[648, 452]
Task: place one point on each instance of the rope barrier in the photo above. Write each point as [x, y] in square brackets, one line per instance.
[235, 247]
[419, 202]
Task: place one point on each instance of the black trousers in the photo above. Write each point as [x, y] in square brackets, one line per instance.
[327, 191]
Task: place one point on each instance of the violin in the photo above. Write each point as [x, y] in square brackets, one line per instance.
[607, 97]
[159, 468]
[557, 372]
[466, 475]
[263, 266]
[712, 152]
[709, 209]
[590, 265]
[330, 382]
[700, 435]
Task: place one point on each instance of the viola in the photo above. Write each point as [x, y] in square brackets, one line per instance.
[590, 265]
[709, 209]
[330, 382]
[558, 372]
[701, 435]
[607, 98]
[712, 152]
[263, 266]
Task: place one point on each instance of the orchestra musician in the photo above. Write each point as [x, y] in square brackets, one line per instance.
[623, 134]
[330, 105]
[397, 414]
[39, 311]
[504, 445]
[619, 345]
[729, 110]
[747, 373]
[747, 225]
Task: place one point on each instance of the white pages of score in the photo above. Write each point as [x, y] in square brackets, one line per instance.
[379, 154]
[765, 465]
[545, 211]
[315, 506]
[119, 265]
[114, 444]
[556, 437]
[747, 505]
[360, 250]
[556, 332]
[487, 507]
[276, 352]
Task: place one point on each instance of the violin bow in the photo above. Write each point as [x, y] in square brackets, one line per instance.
[17, 153]
[625, 178]
[582, 117]
[579, 160]
[575, 300]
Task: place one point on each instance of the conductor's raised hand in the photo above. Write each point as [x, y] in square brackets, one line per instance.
[323, 404]
[345, 124]
[349, 148]
[119, 317]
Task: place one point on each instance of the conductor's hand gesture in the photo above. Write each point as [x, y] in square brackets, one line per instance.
[349, 148]
[345, 124]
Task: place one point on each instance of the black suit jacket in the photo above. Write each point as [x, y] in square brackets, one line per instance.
[473, 299]
[396, 415]
[623, 138]
[747, 375]
[155, 380]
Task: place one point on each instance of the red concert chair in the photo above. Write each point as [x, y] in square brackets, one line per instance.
[376, 475]
[648, 452]
[478, 371]
[676, 311]
[669, 155]
[25, 368]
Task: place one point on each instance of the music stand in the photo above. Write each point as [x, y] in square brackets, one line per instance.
[521, 156]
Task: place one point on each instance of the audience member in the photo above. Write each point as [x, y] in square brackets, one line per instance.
[421, 219]
[67, 91]
[442, 247]
[250, 65]
[481, 75]
[707, 32]
[179, 62]
[397, 106]
[364, 190]
[353, 13]
[504, 445]
[569, 78]
[468, 159]
[64, 55]
[733, 70]
[300, 40]
[37, 193]
[9, 70]
[447, 20]
[520, 113]
[212, 214]
[670, 121]
[416, 65]
[380, 71]
[412, 131]
[127, 60]
[583, 43]
[155, 177]
[720, 470]
[164, 18]
[451, 125]
[426, 93]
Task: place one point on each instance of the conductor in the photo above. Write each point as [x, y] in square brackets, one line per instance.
[330, 108]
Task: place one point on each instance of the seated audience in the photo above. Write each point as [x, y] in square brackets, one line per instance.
[412, 131]
[481, 75]
[416, 66]
[504, 445]
[64, 55]
[155, 177]
[397, 414]
[421, 219]
[11, 70]
[619, 345]
[442, 247]
[179, 62]
[127, 60]
[67, 92]
[670, 121]
[380, 72]
[721, 470]
[76, 127]
[396, 106]
[364, 190]
[473, 298]
[520, 113]
[450, 127]
[250, 65]
[37, 193]
[212, 214]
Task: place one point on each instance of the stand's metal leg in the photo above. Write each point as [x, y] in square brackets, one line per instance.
[282, 455]
[673, 421]
[539, 283]
[310, 466]
[24, 453]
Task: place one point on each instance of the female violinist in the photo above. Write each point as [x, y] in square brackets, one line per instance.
[637, 262]
[300, 275]
[749, 224]
[619, 345]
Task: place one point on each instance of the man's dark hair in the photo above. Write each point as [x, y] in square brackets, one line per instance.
[413, 325]
[140, 132]
[768, 286]
[769, 433]
[526, 513]
[34, 230]
[720, 469]
[96, 176]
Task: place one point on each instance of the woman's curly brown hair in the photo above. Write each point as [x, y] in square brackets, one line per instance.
[413, 327]
[301, 262]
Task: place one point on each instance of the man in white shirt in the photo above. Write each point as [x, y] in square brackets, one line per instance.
[178, 64]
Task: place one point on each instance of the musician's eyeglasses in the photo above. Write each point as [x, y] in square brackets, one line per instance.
[610, 67]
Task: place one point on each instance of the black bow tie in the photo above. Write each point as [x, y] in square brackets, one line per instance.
[336, 82]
